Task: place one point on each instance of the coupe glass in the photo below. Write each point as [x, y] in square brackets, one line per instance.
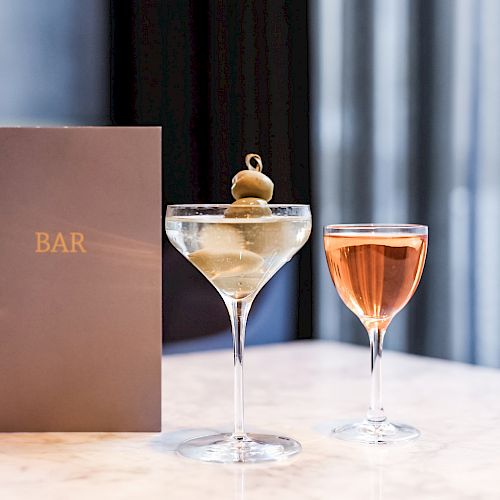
[238, 254]
[376, 269]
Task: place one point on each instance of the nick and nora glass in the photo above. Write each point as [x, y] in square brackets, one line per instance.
[238, 255]
[375, 269]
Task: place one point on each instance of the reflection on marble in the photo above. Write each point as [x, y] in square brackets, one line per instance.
[297, 389]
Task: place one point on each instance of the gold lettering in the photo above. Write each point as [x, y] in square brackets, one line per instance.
[42, 242]
[59, 243]
[77, 241]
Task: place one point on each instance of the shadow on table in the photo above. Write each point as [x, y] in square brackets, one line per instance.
[170, 441]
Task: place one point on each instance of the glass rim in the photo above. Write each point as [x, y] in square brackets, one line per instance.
[226, 205]
[373, 228]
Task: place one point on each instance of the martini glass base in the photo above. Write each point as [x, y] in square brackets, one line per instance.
[376, 433]
[224, 448]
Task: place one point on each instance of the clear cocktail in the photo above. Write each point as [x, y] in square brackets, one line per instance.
[238, 255]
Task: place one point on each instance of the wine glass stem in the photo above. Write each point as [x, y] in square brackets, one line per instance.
[376, 411]
[238, 311]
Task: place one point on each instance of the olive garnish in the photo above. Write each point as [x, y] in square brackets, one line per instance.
[252, 183]
[252, 190]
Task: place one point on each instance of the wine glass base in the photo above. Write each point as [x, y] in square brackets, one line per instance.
[376, 433]
[224, 448]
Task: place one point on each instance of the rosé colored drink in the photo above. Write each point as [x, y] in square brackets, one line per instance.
[375, 275]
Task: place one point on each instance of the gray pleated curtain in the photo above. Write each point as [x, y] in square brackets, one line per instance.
[405, 128]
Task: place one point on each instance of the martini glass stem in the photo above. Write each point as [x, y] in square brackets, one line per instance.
[238, 312]
[376, 413]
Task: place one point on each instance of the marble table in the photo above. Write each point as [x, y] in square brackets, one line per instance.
[299, 389]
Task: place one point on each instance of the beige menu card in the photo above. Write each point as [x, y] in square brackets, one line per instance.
[80, 279]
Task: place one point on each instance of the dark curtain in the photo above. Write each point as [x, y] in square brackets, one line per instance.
[223, 78]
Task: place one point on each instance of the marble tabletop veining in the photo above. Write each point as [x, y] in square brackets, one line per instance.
[298, 389]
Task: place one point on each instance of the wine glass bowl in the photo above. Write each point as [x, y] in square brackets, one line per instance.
[376, 269]
[238, 249]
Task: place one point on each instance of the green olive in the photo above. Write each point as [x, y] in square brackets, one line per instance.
[248, 207]
[252, 183]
